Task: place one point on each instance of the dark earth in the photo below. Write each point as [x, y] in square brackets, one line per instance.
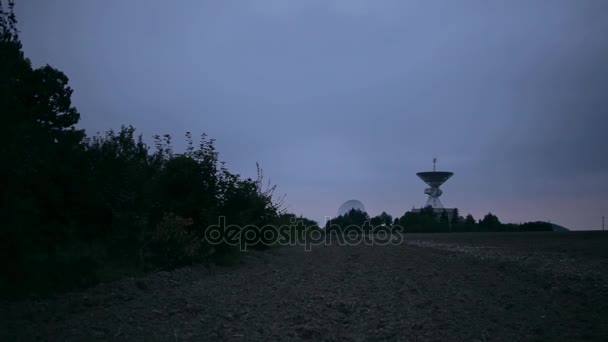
[466, 287]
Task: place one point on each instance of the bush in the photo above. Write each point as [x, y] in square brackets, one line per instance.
[174, 243]
[78, 209]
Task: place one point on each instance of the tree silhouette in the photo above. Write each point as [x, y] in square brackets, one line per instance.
[382, 219]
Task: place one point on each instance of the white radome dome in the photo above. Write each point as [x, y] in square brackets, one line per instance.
[350, 204]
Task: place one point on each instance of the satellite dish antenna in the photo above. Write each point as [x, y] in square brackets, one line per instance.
[434, 179]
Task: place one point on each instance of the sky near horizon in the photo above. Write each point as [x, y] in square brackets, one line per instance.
[348, 99]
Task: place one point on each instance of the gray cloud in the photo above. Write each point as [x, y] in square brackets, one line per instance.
[348, 99]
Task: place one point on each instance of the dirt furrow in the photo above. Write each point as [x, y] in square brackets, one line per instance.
[362, 292]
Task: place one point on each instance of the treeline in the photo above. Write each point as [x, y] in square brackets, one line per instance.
[426, 220]
[76, 210]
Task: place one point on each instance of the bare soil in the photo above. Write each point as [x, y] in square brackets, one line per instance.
[473, 287]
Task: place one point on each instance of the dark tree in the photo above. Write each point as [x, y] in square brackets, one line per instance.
[354, 217]
[490, 223]
[42, 155]
[469, 223]
[382, 219]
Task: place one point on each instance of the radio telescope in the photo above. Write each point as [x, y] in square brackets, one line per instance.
[350, 204]
[434, 179]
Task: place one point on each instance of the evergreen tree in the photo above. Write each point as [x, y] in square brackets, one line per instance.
[470, 223]
[490, 223]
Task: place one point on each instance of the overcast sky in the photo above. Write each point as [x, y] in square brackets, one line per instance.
[348, 99]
